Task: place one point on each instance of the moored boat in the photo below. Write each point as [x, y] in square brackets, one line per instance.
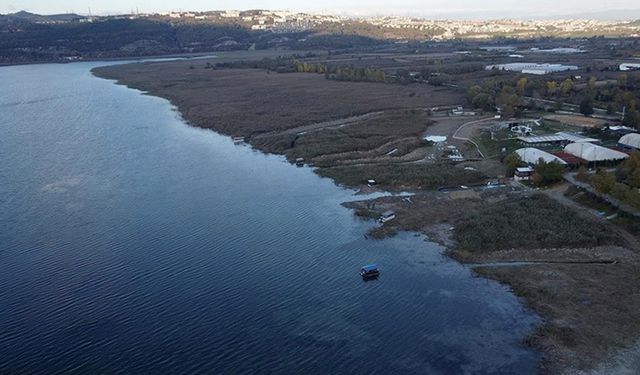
[369, 271]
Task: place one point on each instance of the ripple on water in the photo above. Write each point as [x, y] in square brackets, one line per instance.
[132, 243]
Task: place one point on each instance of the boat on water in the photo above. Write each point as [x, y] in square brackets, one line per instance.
[370, 271]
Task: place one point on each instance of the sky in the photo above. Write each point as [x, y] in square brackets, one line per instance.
[425, 8]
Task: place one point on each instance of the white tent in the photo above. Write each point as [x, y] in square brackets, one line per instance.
[630, 140]
[532, 155]
[591, 152]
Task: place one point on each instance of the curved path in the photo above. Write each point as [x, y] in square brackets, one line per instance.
[458, 137]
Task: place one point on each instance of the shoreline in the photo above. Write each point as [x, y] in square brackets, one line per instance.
[555, 355]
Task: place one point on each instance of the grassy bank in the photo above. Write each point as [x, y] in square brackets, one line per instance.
[410, 176]
[535, 222]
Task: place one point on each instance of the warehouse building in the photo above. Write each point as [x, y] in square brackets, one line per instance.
[532, 68]
[561, 138]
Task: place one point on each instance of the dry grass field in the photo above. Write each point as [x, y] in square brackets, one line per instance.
[245, 102]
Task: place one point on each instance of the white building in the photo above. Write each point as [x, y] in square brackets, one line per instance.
[533, 68]
[631, 140]
[629, 66]
[531, 155]
[591, 152]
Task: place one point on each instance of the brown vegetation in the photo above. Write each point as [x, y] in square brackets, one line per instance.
[245, 102]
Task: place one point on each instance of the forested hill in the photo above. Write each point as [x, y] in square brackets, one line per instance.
[29, 38]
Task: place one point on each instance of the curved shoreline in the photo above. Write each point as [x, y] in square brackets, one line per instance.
[554, 361]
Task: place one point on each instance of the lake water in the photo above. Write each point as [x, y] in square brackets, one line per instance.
[131, 242]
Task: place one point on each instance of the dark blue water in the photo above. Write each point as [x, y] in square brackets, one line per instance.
[133, 243]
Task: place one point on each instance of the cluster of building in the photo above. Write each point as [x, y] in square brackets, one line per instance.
[451, 29]
[577, 150]
[533, 68]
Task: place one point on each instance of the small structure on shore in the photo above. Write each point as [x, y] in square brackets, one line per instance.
[371, 183]
[238, 140]
[387, 216]
[523, 174]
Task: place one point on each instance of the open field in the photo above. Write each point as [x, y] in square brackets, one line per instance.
[246, 102]
[576, 120]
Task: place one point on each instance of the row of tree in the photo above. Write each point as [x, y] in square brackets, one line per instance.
[342, 73]
[511, 93]
[623, 184]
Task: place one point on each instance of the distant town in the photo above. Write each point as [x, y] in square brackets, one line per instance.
[395, 26]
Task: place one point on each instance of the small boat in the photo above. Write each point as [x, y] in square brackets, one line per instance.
[300, 162]
[369, 271]
[238, 140]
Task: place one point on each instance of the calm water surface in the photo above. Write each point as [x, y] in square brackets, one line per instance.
[133, 243]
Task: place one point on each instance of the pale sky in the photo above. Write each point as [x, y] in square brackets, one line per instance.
[426, 8]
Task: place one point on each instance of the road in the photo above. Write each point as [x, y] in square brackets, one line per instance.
[557, 194]
[466, 137]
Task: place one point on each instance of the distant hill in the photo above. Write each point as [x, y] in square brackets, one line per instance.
[29, 37]
[37, 18]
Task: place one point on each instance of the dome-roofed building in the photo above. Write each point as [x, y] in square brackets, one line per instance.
[591, 152]
[631, 140]
[532, 155]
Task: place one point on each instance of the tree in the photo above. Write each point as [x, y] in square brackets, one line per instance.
[473, 91]
[586, 106]
[582, 174]
[511, 162]
[547, 173]
[552, 87]
[509, 101]
[631, 118]
[483, 101]
[619, 191]
[566, 86]
[521, 86]
[622, 80]
[603, 181]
